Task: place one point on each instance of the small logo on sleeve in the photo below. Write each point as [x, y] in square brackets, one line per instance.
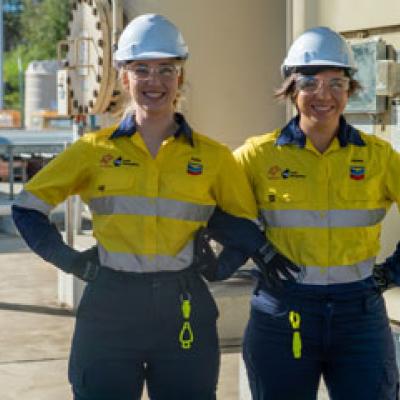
[194, 167]
[357, 172]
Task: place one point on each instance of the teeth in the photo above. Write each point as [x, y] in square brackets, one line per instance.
[322, 108]
[153, 95]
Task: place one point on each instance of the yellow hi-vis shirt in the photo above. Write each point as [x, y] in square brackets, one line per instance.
[145, 210]
[323, 211]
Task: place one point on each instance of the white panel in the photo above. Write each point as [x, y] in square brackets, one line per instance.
[345, 15]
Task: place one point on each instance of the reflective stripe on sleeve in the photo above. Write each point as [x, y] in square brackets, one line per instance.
[146, 263]
[314, 275]
[138, 205]
[28, 200]
[322, 219]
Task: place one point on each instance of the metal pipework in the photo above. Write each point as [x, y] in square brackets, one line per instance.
[116, 23]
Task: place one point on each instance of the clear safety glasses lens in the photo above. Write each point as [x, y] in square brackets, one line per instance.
[311, 84]
[163, 71]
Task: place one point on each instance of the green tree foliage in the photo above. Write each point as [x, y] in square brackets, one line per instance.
[12, 30]
[11, 89]
[38, 28]
[44, 23]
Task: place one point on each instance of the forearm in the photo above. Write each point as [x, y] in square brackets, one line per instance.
[242, 239]
[229, 261]
[387, 274]
[235, 232]
[43, 237]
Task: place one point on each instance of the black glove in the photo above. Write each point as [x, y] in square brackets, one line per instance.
[85, 265]
[383, 277]
[212, 266]
[45, 240]
[387, 274]
[275, 266]
[205, 260]
[243, 237]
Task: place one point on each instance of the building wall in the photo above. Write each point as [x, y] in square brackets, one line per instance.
[236, 48]
[358, 14]
[343, 15]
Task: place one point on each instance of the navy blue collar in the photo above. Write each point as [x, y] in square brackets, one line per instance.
[127, 127]
[292, 134]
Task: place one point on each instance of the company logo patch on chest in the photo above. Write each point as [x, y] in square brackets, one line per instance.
[105, 160]
[276, 172]
[194, 166]
[108, 160]
[120, 161]
[357, 172]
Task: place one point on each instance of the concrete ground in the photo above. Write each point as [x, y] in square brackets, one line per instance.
[35, 332]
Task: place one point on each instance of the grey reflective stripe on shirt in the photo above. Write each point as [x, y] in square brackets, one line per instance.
[314, 275]
[28, 200]
[322, 219]
[139, 205]
[146, 263]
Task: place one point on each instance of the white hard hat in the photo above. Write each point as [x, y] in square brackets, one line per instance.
[319, 47]
[150, 36]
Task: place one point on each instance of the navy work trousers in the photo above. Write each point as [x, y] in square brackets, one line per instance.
[127, 333]
[345, 339]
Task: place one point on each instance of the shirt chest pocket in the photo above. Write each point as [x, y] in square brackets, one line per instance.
[194, 188]
[362, 183]
[116, 182]
[359, 190]
[286, 192]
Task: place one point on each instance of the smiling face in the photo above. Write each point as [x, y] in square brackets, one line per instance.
[153, 85]
[324, 105]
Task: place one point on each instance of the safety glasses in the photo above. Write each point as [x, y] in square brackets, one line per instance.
[143, 71]
[311, 84]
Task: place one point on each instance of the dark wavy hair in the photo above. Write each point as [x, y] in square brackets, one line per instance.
[287, 90]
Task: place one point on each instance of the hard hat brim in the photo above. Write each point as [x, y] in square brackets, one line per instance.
[286, 70]
[150, 55]
[322, 63]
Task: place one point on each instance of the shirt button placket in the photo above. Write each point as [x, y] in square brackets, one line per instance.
[153, 206]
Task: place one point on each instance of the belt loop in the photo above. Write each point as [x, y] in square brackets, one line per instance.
[367, 300]
[365, 305]
[258, 287]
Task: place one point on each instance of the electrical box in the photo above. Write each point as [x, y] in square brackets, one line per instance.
[368, 100]
[387, 78]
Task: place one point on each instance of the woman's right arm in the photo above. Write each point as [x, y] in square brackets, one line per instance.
[235, 228]
[52, 185]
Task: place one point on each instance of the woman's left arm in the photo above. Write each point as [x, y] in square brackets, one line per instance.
[387, 274]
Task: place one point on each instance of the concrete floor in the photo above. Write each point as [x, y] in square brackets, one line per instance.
[35, 333]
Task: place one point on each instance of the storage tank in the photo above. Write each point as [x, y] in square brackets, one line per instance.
[40, 89]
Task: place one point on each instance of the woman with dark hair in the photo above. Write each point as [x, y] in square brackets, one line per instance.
[322, 189]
